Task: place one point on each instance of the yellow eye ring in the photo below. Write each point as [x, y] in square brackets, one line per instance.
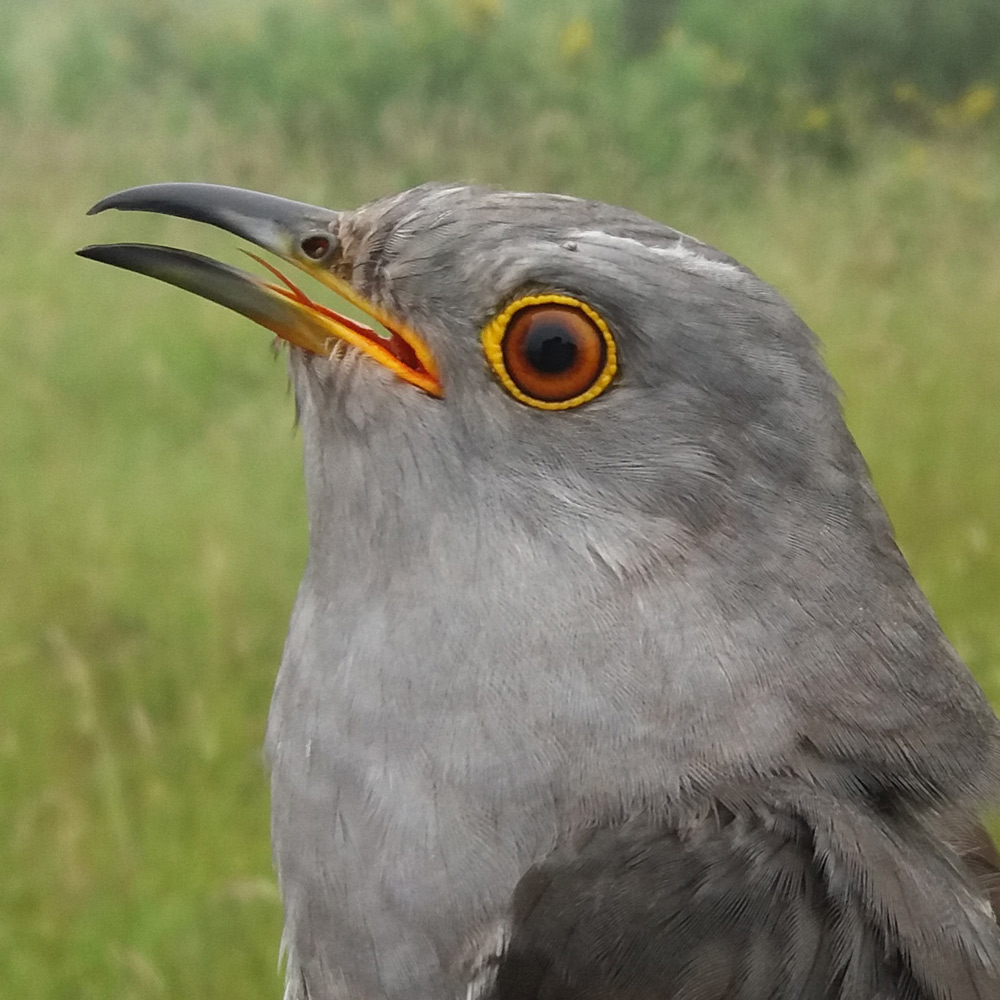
[552, 352]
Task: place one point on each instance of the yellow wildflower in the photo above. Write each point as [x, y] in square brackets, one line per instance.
[976, 103]
[577, 39]
[816, 119]
[478, 14]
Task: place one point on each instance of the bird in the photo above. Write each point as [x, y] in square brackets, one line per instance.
[606, 679]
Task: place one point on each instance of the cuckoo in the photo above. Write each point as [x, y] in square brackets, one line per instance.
[606, 679]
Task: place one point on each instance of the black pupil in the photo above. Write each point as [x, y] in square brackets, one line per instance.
[549, 348]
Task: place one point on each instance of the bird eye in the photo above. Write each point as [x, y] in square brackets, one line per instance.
[551, 351]
[315, 247]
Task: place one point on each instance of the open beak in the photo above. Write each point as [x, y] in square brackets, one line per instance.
[300, 234]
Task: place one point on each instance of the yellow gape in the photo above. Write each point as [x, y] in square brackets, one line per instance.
[552, 352]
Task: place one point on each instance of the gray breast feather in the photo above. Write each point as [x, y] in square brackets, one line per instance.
[776, 900]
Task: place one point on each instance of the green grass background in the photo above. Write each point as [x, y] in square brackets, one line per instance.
[152, 527]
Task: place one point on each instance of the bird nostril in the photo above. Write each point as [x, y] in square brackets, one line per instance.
[315, 247]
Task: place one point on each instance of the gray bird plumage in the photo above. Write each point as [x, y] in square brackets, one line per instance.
[633, 700]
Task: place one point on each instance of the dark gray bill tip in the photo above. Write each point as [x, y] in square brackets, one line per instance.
[265, 219]
[187, 270]
[103, 252]
[211, 279]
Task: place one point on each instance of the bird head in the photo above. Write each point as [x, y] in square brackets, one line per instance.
[582, 434]
[661, 390]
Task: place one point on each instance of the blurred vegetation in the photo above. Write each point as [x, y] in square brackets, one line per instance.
[754, 77]
[152, 528]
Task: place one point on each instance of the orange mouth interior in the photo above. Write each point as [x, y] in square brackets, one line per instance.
[402, 350]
